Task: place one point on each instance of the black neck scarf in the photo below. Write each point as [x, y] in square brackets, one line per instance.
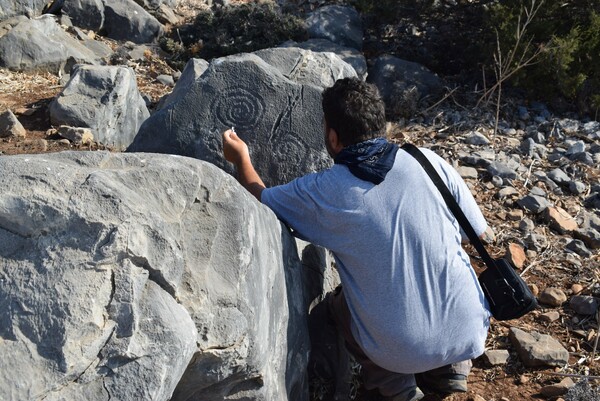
[369, 160]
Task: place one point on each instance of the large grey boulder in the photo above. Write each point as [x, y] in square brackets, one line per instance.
[193, 70]
[127, 20]
[339, 24]
[88, 14]
[144, 277]
[281, 120]
[307, 67]
[394, 77]
[11, 8]
[105, 99]
[41, 44]
[350, 55]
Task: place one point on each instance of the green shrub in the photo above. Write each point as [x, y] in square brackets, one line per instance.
[233, 29]
[570, 33]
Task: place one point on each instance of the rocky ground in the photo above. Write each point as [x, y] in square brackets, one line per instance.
[537, 180]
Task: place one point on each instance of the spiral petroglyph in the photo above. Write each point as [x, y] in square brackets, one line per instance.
[239, 108]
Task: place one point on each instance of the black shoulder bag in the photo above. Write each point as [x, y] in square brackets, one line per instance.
[508, 295]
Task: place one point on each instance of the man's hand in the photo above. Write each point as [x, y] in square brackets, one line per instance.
[234, 149]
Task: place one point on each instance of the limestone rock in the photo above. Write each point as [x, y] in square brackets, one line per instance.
[105, 99]
[389, 69]
[496, 357]
[76, 134]
[583, 304]
[553, 296]
[306, 67]
[467, 172]
[350, 55]
[560, 220]
[281, 120]
[144, 277]
[589, 236]
[193, 70]
[339, 24]
[477, 138]
[516, 254]
[10, 125]
[126, 20]
[11, 8]
[42, 45]
[537, 349]
[534, 203]
[88, 14]
[555, 390]
[550, 317]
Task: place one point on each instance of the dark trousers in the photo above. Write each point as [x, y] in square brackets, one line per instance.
[387, 382]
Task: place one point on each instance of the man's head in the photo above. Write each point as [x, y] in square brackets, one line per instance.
[355, 111]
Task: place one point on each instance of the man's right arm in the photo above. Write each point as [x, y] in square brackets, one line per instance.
[236, 151]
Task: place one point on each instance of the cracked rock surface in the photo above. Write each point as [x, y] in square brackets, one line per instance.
[143, 277]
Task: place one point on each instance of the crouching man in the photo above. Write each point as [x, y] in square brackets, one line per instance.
[410, 307]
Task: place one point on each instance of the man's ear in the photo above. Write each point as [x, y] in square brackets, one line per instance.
[334, 141]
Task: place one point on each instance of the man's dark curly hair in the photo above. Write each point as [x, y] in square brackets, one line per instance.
[355, 110]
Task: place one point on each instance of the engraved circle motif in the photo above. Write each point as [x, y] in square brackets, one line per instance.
[239, 108]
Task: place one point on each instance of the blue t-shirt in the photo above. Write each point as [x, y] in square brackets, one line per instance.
[414, 299]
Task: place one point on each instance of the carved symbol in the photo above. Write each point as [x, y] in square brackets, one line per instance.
[239, 108]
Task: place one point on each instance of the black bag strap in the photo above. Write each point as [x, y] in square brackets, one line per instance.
[451, 202]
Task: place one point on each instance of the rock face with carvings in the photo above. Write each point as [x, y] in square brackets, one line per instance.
[275, 108]
[145, 277]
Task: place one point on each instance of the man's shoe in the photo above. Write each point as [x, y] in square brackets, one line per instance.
[412, 394]
[443, 384]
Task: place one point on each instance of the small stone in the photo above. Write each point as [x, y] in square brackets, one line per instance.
[497, 181]
[502, 170]
[467, 172]
[63, 142]
[534, 289]
[536, 242]
[579, 248]
[583, 157]
[559, 177]
[576, 147]
[569, 126]
[516, 254]
[537, 191]
[560, 220]
[166, 80]
[549, 317]
[555, 390]
[531, 254]
[476, 397]
[526, 225]
[477, 138]
[515, 215]
[537, 349]
[576, 288]
[577, 187]
[81, 135]
[534, 203]
[584, 304]
[589, 236]
[553, 296]
[496, 357]
[505, 192]
[10, 126]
